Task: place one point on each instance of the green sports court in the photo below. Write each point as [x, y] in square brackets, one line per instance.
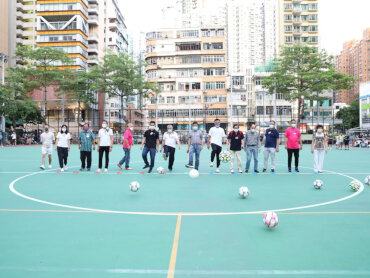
[91, 225]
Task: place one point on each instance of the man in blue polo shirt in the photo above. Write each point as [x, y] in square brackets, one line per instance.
[272, 142]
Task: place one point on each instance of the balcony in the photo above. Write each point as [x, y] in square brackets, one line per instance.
[93, 9]
[19, 6]
[297, 32]
[297, 21]
[297, 11]
[19, 15]
[93, 20]
[93, 60]
[93, 48]
[93, 37]
[297, 1]
[93, 2]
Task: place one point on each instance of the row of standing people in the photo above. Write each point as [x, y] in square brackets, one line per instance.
[235, 140]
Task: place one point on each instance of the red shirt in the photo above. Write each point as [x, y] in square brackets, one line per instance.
[292, 135]
[127, 135]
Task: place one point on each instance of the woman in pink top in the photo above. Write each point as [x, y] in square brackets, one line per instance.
[127, 144]
[293, 143]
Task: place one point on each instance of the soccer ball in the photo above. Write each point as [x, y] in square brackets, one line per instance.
[160, 170]
[225, 156]
[134, 186]
[367, 180]
[243, 192]
[270, 219]
[318, 184]
[355, 185]
[193, 173]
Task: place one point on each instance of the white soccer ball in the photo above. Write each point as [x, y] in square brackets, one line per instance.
[318, 184]
[160, 170]
[270, 219]
[355, 185]
[193, 173]
[225, 156]
[134, 186]
[243, 192]
[367, 180]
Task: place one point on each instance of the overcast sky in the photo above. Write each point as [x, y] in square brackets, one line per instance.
[339, 20]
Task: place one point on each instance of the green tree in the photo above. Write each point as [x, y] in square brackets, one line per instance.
[349, 115]
[120, 76]
[42, 67]
[302, 72]
[25, 110]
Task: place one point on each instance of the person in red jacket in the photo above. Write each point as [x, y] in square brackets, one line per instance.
[235, 144]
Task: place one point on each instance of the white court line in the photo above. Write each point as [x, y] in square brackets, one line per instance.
[12, 189]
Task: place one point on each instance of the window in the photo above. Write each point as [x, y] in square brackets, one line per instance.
[313, 39]
[258, 81]
[259, 110]
[212, 46]
[190, 60]
[214, 98]
[161, 100]
[288, 28]
[213, 59]
[189, 33]
[214, 85]
[312, 7]
[287, 6]
[313, 28]
[288, 17]
[213, 32]
[188, 46]
[170, 99]
[238, 80]
[269, 110]
[312, 17]
[288, 39]
[214, 71]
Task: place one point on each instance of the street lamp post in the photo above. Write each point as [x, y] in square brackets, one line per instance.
[187, 87]
[4, 59]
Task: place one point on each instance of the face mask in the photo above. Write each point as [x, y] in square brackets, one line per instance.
[236, 130]
[272, 126]
[217, 125]
[152, 127]
[294, 125]
[104, 125]
[86, 128]
[131, 128]
[169, 130]
[46, 129]
[195, 128]
[64, 129]
[319, 130]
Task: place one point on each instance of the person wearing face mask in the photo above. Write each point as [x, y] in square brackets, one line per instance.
[252, 145]
[195, 146]
[319, 148]
[86, 143]
[62, 145]
[105, 144]
[235, 144]
[216, 137]
[293, 143]
[272, 142]
[127, 144]
[47, 138]
[169, 141]
[150, 144]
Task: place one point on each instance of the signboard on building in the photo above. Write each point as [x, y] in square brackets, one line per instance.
[365, 105]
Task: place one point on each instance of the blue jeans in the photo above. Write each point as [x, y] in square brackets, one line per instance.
[252, 150]
[194, 149]
[152, 156]
[126, 158]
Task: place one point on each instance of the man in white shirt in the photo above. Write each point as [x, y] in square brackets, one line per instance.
[47, 138]
[216, 136]
[105, 144]
[169, 141]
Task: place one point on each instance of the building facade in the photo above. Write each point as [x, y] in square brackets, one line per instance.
[365, 105]
[298, 22]
[354, 60]
[189, 64]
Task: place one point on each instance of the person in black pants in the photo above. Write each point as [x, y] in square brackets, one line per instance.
[86, 143]
[169, 141]
[293, 143]
[105, 144]
[216, 136]
[63, 146]
[150, 144]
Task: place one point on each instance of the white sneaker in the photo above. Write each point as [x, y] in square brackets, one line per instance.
[211, 165]
[105, 170]
[232, 171]
[315, 171]
[65, 168]
[49, 166]
[240, 171]
[98, 171]
[62, 170]
[217, 170]
[42, 167]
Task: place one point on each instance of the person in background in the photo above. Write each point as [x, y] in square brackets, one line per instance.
[169, 141]
[150, 144]
[127, 145]
[1, 139]
[293, 144]
[235, 144]
[86, 143]
[319, 148]
[195, 146]
[346, 142]
[47, 138]
[252, 145]
[272, 143]
[105, 145]
[215, 139]
[340, 141]
[62, 145]
[14, 138]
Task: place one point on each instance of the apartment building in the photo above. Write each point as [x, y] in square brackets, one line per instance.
[354, 60]
[298, 22]
[189, 64]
